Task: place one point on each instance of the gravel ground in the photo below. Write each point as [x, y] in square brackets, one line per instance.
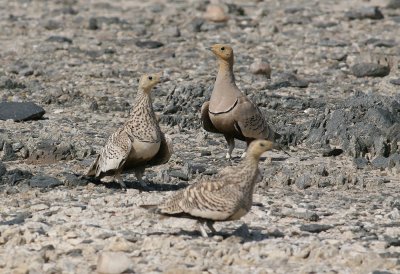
[331, 207]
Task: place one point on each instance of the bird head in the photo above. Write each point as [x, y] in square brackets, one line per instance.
[222, 51]
[147, 81]
[258, 147]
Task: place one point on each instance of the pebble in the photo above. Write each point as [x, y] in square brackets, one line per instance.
[315, 228]
[149, 44]
[369, 69]
[215, 13]
[113, 263]
[43, 181]
[260, 67]
[365, 13]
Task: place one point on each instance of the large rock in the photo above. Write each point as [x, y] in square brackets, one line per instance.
[20, 111]
[43, 181]
[370, 69]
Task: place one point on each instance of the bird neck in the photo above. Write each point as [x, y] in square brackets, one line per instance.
[249, 169]
[143, 101]
[225, 71]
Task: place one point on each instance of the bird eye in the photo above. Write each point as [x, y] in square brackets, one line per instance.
[150, 78]
[262, 145]
[223, 48]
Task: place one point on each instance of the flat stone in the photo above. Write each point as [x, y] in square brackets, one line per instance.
[113, 263]
[20, 111]
[393, 4]
[17, 220]
[360, 162]
[149, 44]
[332, 152]
[365, 13]
[59, 39]
[315, 228]
[3, 169]
[43, 181]
[215, 13]
[395, 81]
[369, 69]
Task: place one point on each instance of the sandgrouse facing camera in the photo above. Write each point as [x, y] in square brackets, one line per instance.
[138, 143]
[227, 197]
[229, 111]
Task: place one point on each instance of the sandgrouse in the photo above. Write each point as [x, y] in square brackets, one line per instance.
[138, 143]
[227, 197]
[229, 111]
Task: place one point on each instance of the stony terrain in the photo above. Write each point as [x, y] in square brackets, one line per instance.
[331, 207]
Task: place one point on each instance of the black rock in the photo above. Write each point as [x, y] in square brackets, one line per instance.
[395, 81]
[392, 241]
[8, 153]
[93, 24]
[365, 13]
[72, 180]
[11, 84]
[149, 44]
[332, 152]
[315, 228]
[288, 80]
[381, 43]
[12, 177]
[43, 181]
[381, 272]
[20, 111]
[59, 39]
[370, 69]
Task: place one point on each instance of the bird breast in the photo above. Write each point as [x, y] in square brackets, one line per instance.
[144, 150]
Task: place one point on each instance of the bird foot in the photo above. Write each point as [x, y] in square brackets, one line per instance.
[123, 185]
[228, 156]
[202, 230]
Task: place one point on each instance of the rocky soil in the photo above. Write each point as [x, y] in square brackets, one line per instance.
[333, 92]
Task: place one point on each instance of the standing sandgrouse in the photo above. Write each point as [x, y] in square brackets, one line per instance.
[138, 143]
[229, 111]
[227, 197]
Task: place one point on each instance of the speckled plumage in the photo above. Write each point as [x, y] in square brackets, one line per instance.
[229, 111]
[138, 143]
[227, 197]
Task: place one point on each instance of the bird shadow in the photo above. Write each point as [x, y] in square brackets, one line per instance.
[150, 186]
[241, 234]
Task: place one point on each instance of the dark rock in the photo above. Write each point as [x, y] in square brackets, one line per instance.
[205, 153]
[380, 162]
[392, 241]
[315, 228]
[381, 43]
[12, 177]
[333, 43]
[332, 152]
[49, 151]
[196, 24]
[8, 153]
[288, 80]
[93, 24]
[394, 160]
[59, 39]
[11, 84]
[360, 162]
[72, 180]
[51, 24]
[20, 111]
[393, 4]
[179, 174]
[149, 44]
[3, 169]
[365, 13]
[395, 81]
[172, 109]
[44, 181]
[381, 272]
[76, 252]
[370, 69]
[93, 106]
[306, 215]
[26, 72]
[17, 220]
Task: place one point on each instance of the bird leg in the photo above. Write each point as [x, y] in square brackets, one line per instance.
[139, 175]
[202, 230]
[231, 146]
[210, 226]
[119, 180]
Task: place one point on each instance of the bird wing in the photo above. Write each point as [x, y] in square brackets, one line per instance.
[250, 122]
[114, 154]
[205, 118]
[164, 153]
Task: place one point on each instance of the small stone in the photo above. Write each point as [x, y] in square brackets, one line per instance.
[113, 263]
[315, 228]
[149, 44]
[365, 13]
[43, 181]
[8, 153]
[369, 69]
[17, 220]
[59, 39]
[380, 162]
[51, 24]
[395, 81]
[173, 32]
[93, 106]
[93, 24]
[260, 67]
[3, 169]
[360, 162]
[196, 24]
[20, 111]
[215, 13]
[179, 174]
[332, 152]
[303, 182]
